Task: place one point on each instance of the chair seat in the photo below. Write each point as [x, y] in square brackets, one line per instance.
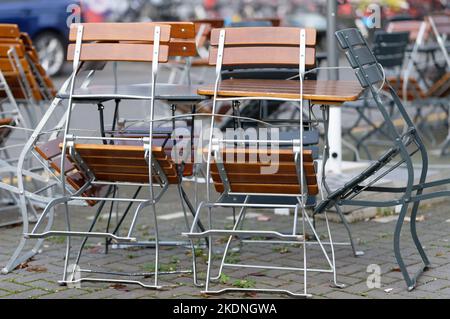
[166, 92]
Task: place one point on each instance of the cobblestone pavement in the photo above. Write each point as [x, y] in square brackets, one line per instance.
[38, 278]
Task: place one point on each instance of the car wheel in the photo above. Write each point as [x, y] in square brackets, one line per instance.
[51, 52]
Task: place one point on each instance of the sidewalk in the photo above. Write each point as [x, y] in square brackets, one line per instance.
[38, 278]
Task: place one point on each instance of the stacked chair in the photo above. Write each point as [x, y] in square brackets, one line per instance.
[24, 89]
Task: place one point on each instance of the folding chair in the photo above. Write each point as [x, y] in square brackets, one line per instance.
[127, 161]
[46, 85]
[237, 168]
[404, 145]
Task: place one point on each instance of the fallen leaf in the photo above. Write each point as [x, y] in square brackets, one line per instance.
[396, 269]
[420, 218]
[439, 254]
[264, 218]
[119, 287]
[37, 269]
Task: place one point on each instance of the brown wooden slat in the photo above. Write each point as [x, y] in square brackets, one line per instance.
[118, 52]
[6, 121]
[441, 87]
[5, 65]
[125, 163]
[120, 32]
[52, 154]
[180, 30]
[268, 188]
[326, 90]
[248, 155]
[9, 31]
[442, 23]
[182, 47]
[5, 47]
[262, 55]
[256, 168]
[413, 91]
[412, 27]
[264, 36]
[263, 178]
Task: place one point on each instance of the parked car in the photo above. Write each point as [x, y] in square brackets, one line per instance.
[46, 21]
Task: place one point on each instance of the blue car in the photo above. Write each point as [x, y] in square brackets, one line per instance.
[46, 21]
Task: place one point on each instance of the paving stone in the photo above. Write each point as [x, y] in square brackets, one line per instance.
[376, 241]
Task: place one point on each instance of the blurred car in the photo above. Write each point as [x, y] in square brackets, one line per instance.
[46, 21]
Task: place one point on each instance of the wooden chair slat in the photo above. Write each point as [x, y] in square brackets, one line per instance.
[118, 52]
[180, 30]
[264, 36]
[268, 188]
[9, 31]
[262, 56]
[5, 47]
[120, 32]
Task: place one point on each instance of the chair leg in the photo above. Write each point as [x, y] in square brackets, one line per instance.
[356, 252]
[85, 239]
[237, 223]
[194, 257]
[17, 258]
[415, 237]
[410, 281]
[153, 207]
[68, 244]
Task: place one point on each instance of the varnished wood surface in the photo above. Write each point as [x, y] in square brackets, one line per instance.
[130, 52]
[120, 32]
[9, 31]
[285, 56]
[323, 91]
[247, 172]
[248, 36]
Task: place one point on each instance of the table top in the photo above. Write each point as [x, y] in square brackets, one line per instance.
[326, 91]
[165, 92]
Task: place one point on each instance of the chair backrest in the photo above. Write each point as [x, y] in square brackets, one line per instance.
[245, 175]
[390, 48]
[370, 73]
[263, 47]
[442, 23]
[40, 73]
[411, 26]
[131, 42]
[22, 83]
[360, 57]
